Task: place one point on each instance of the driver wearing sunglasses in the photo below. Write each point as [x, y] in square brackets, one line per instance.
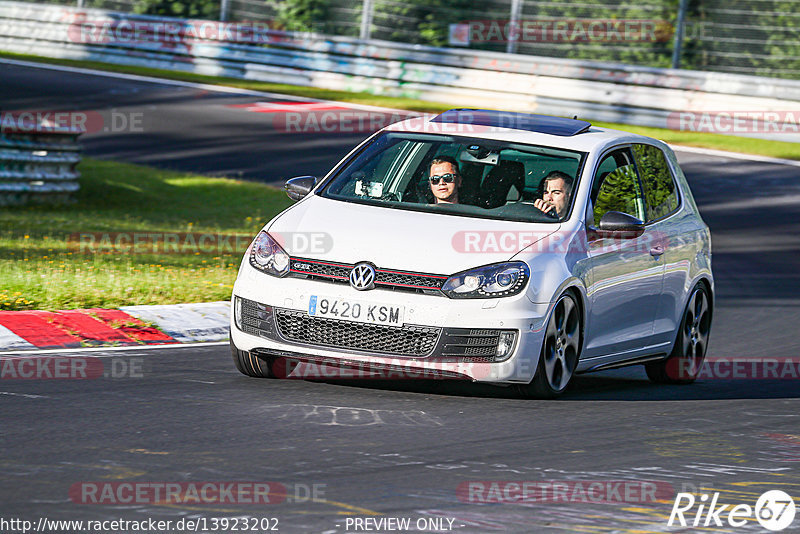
[445, 180]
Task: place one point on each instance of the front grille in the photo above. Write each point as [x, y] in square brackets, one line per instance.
[409, 340]
[387, 278]
[398, 278]
[323, 269]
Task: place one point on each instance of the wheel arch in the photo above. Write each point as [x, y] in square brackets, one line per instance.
[710, 289]
[575, 287]
[708, 285]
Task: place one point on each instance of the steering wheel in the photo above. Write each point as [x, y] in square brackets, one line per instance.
[551, 213]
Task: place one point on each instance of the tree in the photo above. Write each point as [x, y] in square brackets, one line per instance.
[189, 9]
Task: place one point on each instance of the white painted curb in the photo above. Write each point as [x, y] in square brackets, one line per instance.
[10, 340]
[187, 323]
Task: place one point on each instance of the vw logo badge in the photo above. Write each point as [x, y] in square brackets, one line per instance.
[362, 277]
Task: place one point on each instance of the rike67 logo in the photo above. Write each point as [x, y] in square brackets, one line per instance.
[774, 510]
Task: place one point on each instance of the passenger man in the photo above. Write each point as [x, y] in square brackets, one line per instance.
[555, 198]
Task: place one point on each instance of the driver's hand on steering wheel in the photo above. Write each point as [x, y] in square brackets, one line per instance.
[546, 207]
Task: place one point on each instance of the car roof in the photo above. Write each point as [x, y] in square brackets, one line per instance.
[514, 120]
[570, 134]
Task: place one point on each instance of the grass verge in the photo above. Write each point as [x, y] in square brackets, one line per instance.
[46, 263]
[762, 147]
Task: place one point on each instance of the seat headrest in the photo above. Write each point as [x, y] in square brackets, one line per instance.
[499, 181]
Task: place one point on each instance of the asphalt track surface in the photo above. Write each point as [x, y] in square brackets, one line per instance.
[384, 449]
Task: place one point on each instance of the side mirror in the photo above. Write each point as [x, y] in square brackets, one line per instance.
[621, 225]
[616, 221]
[299, 187]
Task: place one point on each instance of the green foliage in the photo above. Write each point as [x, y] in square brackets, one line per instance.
[420, 21]
[759, 37]
[191, 9]
[744, 37]
[656, 53]
[299, 15]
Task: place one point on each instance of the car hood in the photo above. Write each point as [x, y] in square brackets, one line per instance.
[346, 232]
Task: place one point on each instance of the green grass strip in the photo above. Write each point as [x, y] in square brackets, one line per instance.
[72, 256]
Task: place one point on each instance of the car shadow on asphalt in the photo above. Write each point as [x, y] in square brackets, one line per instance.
[606, 386]
[594, 387]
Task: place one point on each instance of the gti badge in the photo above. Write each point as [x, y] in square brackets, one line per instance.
[362, 277]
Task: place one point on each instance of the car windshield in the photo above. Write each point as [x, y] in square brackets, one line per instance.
[461, 176]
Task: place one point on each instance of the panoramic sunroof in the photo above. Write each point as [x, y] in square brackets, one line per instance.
[516, 121]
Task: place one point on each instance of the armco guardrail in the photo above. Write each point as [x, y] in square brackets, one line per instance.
[37, 164]
[610, 92]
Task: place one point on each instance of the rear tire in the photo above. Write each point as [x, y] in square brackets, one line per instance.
[560, 351]
[249, 364]
[684, 363]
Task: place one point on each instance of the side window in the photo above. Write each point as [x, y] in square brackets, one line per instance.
[616, 187]
[660, 191]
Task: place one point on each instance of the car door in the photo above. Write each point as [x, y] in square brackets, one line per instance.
[626, 280]
[673, 236]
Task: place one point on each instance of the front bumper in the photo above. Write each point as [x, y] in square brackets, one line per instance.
[441, 338]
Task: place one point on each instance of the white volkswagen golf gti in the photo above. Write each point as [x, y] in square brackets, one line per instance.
[483, 245]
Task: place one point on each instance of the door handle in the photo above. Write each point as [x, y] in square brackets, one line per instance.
[657, 250]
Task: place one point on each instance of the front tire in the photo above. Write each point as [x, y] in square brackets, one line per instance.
[684, 363]
[249, 364]
[560, 351]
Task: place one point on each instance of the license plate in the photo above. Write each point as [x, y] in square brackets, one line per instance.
[355, 310]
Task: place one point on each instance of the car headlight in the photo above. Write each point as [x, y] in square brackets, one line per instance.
[489, 281]
[267, 256]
